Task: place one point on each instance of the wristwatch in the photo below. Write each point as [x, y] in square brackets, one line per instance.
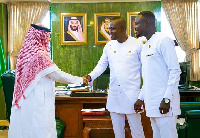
[166, 100]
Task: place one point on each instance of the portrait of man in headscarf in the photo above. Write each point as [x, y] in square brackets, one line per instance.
[73, 29]
[104, 29]
[101, 27]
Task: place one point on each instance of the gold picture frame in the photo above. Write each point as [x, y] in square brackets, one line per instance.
[131, 23]
[101, 27]
[73, 28]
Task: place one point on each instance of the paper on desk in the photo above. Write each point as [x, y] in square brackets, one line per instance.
[180, 121]
[73, 85]
[60, 88]
[57, 93]
[84, 89]
[93, 110]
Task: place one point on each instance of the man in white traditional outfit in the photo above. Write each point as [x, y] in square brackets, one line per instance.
[122, 54]
[161, 74]
[33, 109]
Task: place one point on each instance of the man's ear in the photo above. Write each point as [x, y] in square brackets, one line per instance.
[123, 28]
[147, 23]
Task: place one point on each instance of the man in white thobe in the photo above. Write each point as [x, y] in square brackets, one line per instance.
[161, 74]
[122, 54]
[33, 109]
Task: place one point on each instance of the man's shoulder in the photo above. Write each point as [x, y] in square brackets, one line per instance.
[111, 42]
[134, 40]
[131, 38]
[164, 41]
[161, 36]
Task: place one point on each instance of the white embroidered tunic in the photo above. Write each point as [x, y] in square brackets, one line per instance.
[161, 74]
[124, 62]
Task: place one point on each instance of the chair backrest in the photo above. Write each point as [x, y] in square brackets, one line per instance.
[103, 80]
[186, 106]
[8, 80]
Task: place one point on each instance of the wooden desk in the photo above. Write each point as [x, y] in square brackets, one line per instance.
[69, 110]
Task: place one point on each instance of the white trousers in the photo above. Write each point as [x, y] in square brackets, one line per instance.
[134, 120]
[164, 127]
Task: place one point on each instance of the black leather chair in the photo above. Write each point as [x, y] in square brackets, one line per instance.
[190, 111]
[103, 80]
[8, 80]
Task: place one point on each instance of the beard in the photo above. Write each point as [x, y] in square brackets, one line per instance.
[139, 35]
[74, 28]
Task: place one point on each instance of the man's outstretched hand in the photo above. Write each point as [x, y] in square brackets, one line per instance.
[86, 79]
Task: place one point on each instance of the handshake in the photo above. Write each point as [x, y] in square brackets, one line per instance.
[86, 79]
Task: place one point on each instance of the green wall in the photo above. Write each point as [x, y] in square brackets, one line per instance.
[81, 59]
[4, 27]
[76, 59]
[3, 36]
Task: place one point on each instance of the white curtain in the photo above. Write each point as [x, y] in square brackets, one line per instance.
[20, 16]
[183, 18]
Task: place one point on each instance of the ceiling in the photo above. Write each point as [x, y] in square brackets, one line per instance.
[79, 1]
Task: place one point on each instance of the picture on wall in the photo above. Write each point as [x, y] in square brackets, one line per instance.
[73, 28]
[101, 27]
[131, 23]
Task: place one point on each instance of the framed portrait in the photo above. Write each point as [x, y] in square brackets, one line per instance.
[73, 28]
[101, 27]
[131, 23]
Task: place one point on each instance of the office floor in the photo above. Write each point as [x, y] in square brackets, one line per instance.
[4, 134]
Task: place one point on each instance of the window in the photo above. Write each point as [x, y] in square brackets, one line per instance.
[166, 29]
[46, 20]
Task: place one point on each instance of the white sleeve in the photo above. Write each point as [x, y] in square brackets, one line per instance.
[62, 77]
[101, 66]
[167, 49]
[141, 95]
[139, 56]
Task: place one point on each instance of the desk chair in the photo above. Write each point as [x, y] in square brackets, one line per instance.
[8, 80]
[103, 80]
[190, 111]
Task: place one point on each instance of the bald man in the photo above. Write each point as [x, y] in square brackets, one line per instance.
[122, 54]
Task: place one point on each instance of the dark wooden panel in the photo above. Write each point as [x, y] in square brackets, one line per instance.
[71, 115]
[69, 110]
